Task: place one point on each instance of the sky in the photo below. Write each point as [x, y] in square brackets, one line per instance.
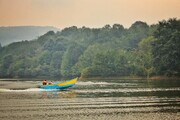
[89, 13]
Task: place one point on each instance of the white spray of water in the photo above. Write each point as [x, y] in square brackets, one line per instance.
[25, 90]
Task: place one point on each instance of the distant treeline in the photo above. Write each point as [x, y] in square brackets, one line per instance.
[19, 33]
[140, 50]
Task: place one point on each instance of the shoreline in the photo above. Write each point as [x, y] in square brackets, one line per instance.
[96, 78]
[131, 78]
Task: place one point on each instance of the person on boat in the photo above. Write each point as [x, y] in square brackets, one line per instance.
[50, 83]
[45, 82]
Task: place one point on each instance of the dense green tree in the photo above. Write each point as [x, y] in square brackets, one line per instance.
[45, 58]
[70, 58]
[140, 50]
[138, 31]
[55, 64]
[145, 59]
[166, 48]
[0, 46]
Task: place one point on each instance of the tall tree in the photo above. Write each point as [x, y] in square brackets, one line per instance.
[69, 59]
[138, 31]
[145, 59]
[166, 49]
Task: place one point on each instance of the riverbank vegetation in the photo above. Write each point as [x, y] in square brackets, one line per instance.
[111, 51]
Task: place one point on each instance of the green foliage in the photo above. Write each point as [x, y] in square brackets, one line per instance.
[70, 58]
[138, 31]
[0, 46]
[145, 55]
[166, 50]
[141, 50]
[115, 62]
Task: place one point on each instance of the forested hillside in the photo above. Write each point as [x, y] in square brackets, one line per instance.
[18, 33]
[140, 50]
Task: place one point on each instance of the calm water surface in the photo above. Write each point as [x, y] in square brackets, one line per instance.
[88, 99]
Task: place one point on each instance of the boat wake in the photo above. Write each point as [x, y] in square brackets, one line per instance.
[26, 90]
[90, 83]
[126, 90]
[95, 83]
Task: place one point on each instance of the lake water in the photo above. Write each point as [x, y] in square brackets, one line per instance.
[92, 100]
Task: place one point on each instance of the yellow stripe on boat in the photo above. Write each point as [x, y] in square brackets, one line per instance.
[73, 81]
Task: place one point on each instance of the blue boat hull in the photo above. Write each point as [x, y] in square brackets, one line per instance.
[56, 87]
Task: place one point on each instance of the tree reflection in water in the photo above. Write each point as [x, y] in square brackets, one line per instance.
[58, 94]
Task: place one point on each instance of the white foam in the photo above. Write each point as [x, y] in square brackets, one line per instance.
[22, 90]
[95, 83]
[90, 83]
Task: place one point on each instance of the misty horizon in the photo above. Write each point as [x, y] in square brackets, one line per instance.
[89, 13]
[86, 26]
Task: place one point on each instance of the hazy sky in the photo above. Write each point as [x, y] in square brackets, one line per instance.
[90, 13]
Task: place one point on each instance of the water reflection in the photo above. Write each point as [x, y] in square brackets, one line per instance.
[58, 94]
[106, 96]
